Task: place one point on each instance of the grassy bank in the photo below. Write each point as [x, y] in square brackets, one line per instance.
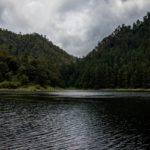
[37, 87]
[16, 85]
[9, 85]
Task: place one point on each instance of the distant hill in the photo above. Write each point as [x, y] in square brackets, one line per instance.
[31, 59]
[121, 60]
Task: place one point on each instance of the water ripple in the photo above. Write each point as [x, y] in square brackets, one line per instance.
[74, 125]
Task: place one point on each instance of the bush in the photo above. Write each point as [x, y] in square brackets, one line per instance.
[9, 84]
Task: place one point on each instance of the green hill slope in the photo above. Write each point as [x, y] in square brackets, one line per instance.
[31, 59]
[121, 60]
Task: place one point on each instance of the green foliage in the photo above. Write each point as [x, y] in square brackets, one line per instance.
[31, 59]
[9, 84]
[121, 60]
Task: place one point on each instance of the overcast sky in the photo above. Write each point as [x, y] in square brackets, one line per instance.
[74, 25]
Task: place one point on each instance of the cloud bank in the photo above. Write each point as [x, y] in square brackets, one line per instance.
[74, 25]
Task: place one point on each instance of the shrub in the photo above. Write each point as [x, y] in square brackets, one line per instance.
[9, 84]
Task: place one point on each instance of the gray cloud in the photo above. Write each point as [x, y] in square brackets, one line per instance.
[74, 25]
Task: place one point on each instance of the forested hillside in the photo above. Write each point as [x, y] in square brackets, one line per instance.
[30, 59]
[121, 60]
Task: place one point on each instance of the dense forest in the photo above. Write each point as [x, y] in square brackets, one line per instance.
[121, 60]
[30, 59]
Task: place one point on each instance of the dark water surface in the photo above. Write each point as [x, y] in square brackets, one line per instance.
[75, 120]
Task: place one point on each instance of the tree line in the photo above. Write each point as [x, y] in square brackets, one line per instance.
[121, 60]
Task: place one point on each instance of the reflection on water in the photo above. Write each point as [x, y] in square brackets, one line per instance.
[71, 123]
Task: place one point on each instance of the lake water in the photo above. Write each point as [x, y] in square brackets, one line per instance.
[75, 120]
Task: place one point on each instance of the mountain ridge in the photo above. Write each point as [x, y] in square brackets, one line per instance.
[121, 60]
[36, 60]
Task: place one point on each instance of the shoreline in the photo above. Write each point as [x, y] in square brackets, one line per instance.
[50, 89]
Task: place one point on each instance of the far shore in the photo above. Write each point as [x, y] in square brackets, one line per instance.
[37, 88]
